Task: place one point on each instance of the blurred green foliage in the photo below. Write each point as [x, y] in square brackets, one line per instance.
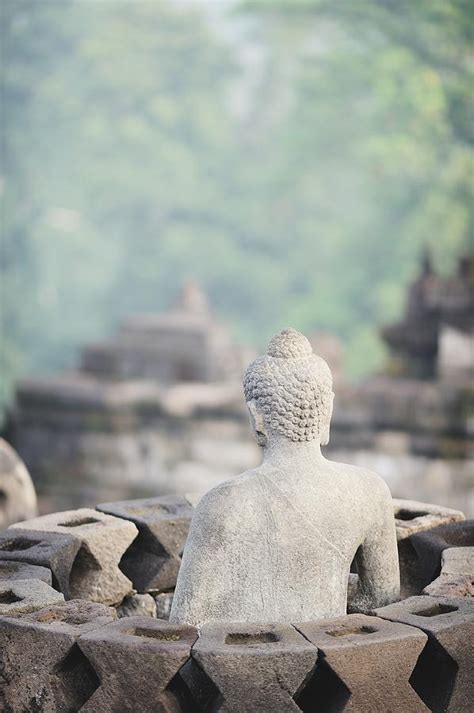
[292, 155]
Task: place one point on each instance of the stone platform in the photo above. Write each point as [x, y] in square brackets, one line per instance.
[85, 594]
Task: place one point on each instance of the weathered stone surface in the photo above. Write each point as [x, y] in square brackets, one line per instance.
[412, 517]
[55, 551]
[21, 570]
[451, 585]
[103, 539]
[457, 574]
[364, 664]
[41, 666]
[137, 661]
[276, 543]
[252, 668]
[163, 605]
[443, 676]
[137, 605]
[458, 560]
[153, 560]
[18, 596]
[430, 545]
[17, 493]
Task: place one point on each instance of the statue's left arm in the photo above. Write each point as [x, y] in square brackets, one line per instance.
[377, 562]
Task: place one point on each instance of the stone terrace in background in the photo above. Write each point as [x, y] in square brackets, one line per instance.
[159, 407]
[156, 408]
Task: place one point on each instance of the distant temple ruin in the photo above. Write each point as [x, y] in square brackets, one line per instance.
[159, 408]
[155, 408]
[184, 344]
[435, 338]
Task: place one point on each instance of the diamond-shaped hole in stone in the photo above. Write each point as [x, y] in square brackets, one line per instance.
[355, 631]
[77, 676]
[9, 597]
[194, 690]
[322, 690]
[433, 676]
[244, 638]
[436, 610]
[155, 634]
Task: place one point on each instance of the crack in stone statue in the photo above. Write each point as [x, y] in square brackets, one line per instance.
[276, 543]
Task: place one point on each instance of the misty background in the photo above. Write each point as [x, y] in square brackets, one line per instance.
[294, 157]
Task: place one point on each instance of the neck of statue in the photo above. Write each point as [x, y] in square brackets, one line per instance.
[280, 449]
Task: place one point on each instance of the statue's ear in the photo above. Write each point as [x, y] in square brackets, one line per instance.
[327, 426]
[257, 423]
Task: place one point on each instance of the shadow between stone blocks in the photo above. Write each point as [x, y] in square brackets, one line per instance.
[444, 676]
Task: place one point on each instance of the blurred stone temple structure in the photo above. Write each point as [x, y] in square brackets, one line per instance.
[413, 423]
[155, 408]
[435, 338]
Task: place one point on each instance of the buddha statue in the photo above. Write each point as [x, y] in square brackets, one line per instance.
[276, 543]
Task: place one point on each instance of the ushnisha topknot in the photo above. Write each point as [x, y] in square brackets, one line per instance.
[292, 388]
[289, 344]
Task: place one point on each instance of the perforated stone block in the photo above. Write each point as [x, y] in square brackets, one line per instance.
[21, 570]
[412, 517]
[41, 666]
[53, 550]
[102, 540]
[364, 665]
[153, 560]
[19, 596]
[444, 675]
[431, 544]
[457, 574]
[249, 668]
[137, 660]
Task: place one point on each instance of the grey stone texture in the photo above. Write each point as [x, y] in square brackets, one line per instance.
[153, 560]
[137, 605]
[41, 667]
[412, 517]
[21, 570]
[364, 664]
[17, 492]
[457, 574]
[252, 668]
[19, 596]
[137, 660]
[431, 544]
[276, 543]
[55, 551]
[103, 539]
[451, 585]
[443, 676]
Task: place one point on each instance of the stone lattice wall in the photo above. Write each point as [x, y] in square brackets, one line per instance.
[84, 597]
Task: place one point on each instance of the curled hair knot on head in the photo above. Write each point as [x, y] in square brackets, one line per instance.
[291, 387]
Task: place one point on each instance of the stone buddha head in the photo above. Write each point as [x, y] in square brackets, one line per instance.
[289, 391]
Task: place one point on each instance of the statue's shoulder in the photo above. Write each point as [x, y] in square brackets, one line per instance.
[368, 481]
[231, 495]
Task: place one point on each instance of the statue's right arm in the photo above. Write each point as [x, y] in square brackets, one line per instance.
[206, 568]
